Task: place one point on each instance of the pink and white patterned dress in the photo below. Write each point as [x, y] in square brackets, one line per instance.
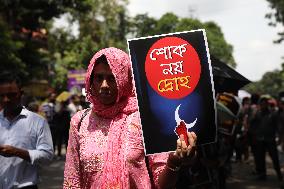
[107, 150]
[86, 149]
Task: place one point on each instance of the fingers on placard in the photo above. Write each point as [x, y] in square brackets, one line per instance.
[181, 137]
[194, 136]
[178, 150]
[189, 149]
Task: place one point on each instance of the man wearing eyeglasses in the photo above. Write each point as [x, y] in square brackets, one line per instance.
[25, 139]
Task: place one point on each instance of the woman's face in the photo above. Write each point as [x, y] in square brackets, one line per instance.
[104, 86]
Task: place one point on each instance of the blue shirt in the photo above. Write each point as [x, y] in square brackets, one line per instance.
[28, 131]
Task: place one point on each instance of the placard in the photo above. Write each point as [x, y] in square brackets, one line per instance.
[174, 85]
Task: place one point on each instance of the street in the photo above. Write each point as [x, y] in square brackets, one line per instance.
[52, 176]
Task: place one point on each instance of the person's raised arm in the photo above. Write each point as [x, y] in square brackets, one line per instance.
[183, 156]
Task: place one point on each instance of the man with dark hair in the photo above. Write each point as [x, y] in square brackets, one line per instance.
[265, 125]
[48, 108]
[25, 138]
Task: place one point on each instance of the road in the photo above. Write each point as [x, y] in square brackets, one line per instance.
[52, 176]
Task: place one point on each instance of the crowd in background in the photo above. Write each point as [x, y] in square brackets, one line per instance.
[258, 129]
[58, 114]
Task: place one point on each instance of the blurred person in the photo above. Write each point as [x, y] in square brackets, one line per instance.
[243, 130]
[273, 104]
[74, 105]
[25, 139]
[217, 156]
[105, 147]
[265, 125]
[84, 104]
[48, 109]
[281, 119]
[62, 121]
[254, 107]
[218, 159]
[34, 107]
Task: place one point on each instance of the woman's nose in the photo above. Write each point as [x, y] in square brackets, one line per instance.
[6, 98]
[104, 84]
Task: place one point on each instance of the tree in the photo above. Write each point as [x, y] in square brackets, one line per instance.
[271, 83]
[167, 23]
[38, 51]
[276, 16]
[9, 50]
[24, 22]
[143, 25]
[103, 25]
[107, 24]
[218, 45]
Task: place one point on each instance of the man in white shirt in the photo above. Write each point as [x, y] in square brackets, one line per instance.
[48, 108]
[25, 139]
[74, 105]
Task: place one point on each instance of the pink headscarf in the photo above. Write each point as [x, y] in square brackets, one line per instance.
[120, 66]
[114, 172]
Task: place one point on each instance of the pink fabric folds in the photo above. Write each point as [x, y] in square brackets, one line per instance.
[108, 150]
[114, 171]
[119, 63]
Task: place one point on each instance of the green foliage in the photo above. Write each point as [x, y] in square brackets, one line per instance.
[103, 26]
[102, 23]
[167, 23]
[32, 14]
[68, 53]
[9, 51]
[186, 24]
[276, 16]
[218, 45]
[106, 22]
[24, 35]
[271, 83]
[143, 25]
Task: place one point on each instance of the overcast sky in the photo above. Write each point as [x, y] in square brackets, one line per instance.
[243, 23]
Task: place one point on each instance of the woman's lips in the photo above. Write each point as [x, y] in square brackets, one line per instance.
[105, 94]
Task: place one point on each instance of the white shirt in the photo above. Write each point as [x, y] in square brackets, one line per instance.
[73, 109]
[27, 131]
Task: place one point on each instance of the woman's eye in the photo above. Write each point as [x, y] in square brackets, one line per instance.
[111, 78]
[99, 78]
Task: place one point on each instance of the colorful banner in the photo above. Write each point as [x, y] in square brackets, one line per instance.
[173, 80]
[76, 80]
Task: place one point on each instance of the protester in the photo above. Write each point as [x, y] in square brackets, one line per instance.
[242, 136]
[62, 121]
[48, 109]
[25, 138]
[105, 149]
[33, 106]
[74, 105]
[281, 119]
[265, 125]
[252, 127]
[84, 104]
